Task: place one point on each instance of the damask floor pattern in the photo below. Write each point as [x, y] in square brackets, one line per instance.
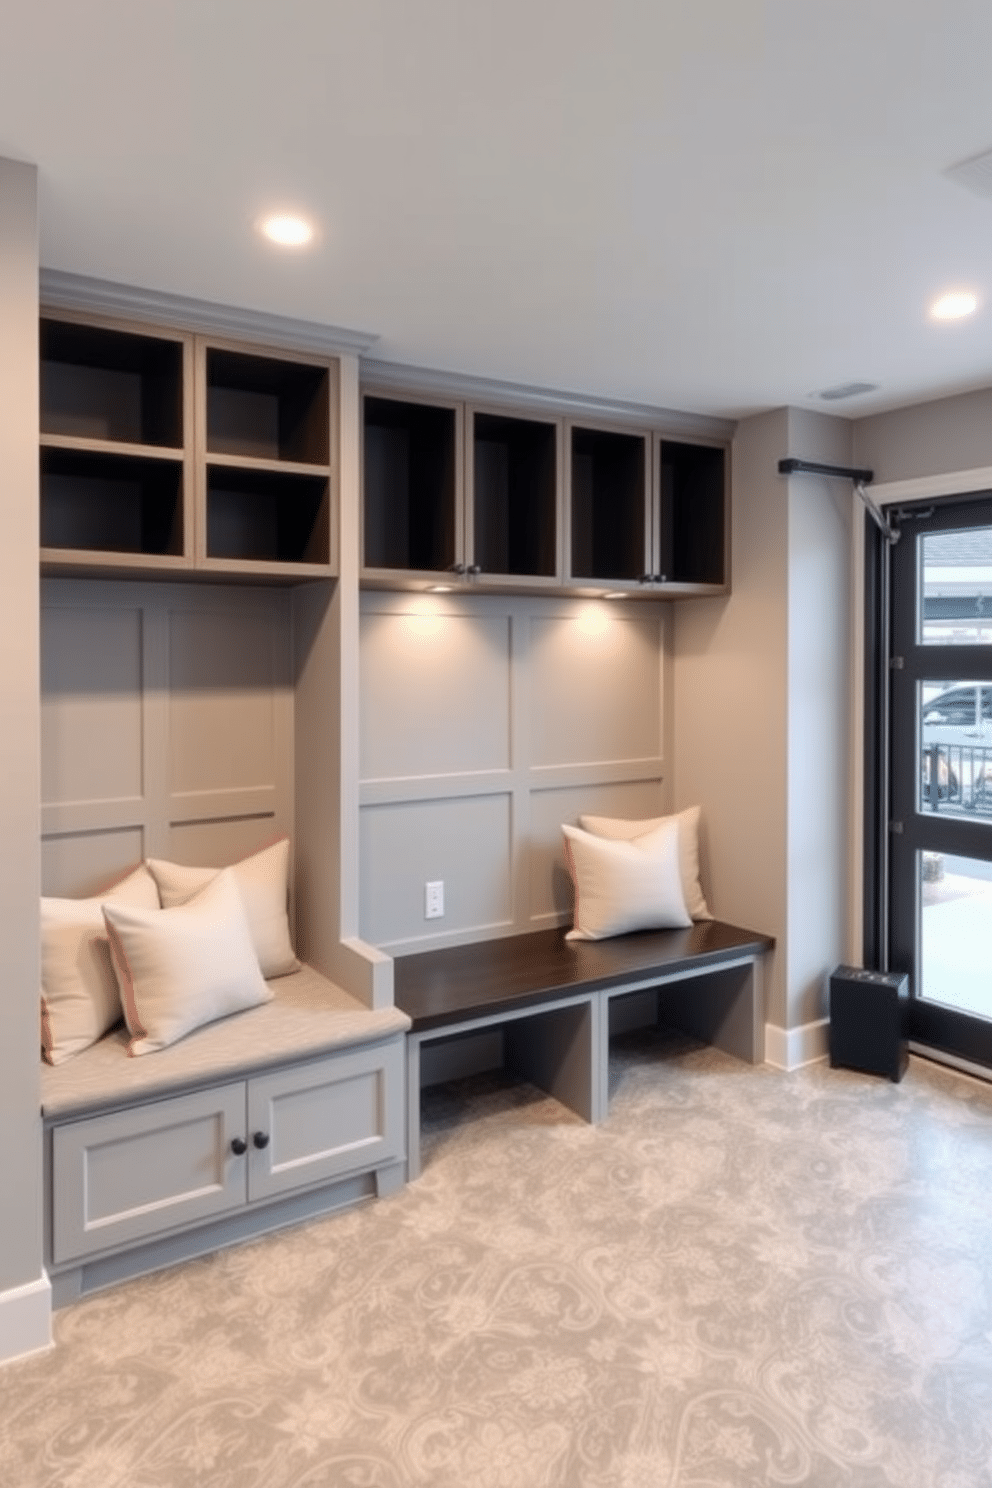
[741, 1278]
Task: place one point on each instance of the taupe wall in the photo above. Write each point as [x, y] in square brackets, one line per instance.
[927, 439]
[760, 710]
[731, 704]
[819, 609]
[485, 723]
[167, 726]
[20, 1181]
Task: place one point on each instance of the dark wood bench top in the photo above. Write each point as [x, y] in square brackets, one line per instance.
[439, 988]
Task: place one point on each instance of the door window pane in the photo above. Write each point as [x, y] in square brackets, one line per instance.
[955, 920]
[956, 748]
[957, 588]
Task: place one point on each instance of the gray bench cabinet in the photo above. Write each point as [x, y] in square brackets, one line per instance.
[130, 1175]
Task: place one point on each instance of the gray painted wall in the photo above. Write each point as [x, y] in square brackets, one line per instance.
[485, 723]
[20, 1228]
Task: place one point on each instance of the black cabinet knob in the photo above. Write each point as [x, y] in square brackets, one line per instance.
[261, 1139]
[458, 568]
[239, 1146]
[474, 568]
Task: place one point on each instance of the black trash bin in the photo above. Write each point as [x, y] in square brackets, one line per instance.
[868, 1021]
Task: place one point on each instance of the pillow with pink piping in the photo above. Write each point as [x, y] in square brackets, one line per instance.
[621, 830]
[624, 886]
[79, 996]
[263, 882]
[180, 968]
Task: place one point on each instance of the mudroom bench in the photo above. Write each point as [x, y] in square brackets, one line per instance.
[263, 1118]
[544, 1006]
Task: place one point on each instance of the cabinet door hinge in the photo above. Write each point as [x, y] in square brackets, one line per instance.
[896, 663]
[896, 827]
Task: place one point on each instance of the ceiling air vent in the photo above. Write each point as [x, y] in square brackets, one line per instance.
[975, 174]
[847, 390]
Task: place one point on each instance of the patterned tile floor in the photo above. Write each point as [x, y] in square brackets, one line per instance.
[742, 1277]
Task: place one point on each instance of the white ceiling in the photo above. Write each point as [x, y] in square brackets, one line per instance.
[709, 205]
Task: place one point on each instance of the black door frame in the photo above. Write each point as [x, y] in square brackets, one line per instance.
[894, 829]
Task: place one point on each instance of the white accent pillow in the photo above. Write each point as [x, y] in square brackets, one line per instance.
[622, 886]
[179, 968]
[263, 882]
[79, 996]
[688, 822]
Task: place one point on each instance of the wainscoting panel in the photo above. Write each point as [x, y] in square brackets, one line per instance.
[167, 726]
[594, 691]
[465, 842]
[435, 693]
[487, 721]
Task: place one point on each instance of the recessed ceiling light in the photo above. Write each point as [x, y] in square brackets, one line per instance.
[286, 230]
[954, 305]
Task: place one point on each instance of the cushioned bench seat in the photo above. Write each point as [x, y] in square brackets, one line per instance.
[307, 1016]
[269, 1116]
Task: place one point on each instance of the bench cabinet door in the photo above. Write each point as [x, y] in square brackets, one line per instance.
[128, 1175]
[326, 1119]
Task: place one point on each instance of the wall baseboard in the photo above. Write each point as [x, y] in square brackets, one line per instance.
[791, 1048]
[26, 1319]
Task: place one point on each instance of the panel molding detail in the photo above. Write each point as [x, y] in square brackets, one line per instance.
[541, 707]
[185, 694]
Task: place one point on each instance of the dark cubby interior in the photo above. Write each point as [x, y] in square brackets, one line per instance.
[266, 408]
[608, 505]
[267, 517]
[114, 385]
[111, 503]
[692, 513]
[409, 485]
[515, 489]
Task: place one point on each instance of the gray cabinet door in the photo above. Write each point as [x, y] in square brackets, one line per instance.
[325, 1119]
[128, 1175]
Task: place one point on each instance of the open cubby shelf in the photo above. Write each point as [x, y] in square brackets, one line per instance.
[411, 487]
[112, 385]
[515, 495]
[267, 408]
[692, 513]
[111, 503]
[267, 517]
[610, 508]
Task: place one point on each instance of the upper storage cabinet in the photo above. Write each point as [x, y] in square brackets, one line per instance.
[266, 458]
[505, 499]
[164, 451]
[116, 468]
[694, 512]
[610, 507]
[513, 500]
[412, 518]
[458, 495]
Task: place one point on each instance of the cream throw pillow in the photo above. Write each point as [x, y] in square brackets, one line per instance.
[622, 886]
[179, 968]
[688, 824]
[79, 996]
[263, 882]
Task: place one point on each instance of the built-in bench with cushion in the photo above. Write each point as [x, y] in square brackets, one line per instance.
[269, 1116]
[544, 1006]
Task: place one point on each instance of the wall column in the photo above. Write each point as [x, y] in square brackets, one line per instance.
[25, 1299]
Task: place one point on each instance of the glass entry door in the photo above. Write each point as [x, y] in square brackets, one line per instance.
[940, 892]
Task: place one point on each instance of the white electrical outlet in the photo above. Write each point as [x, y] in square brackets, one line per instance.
[434, 900]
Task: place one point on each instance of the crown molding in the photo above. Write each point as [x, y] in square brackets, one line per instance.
[399, 377]
[61, 291]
